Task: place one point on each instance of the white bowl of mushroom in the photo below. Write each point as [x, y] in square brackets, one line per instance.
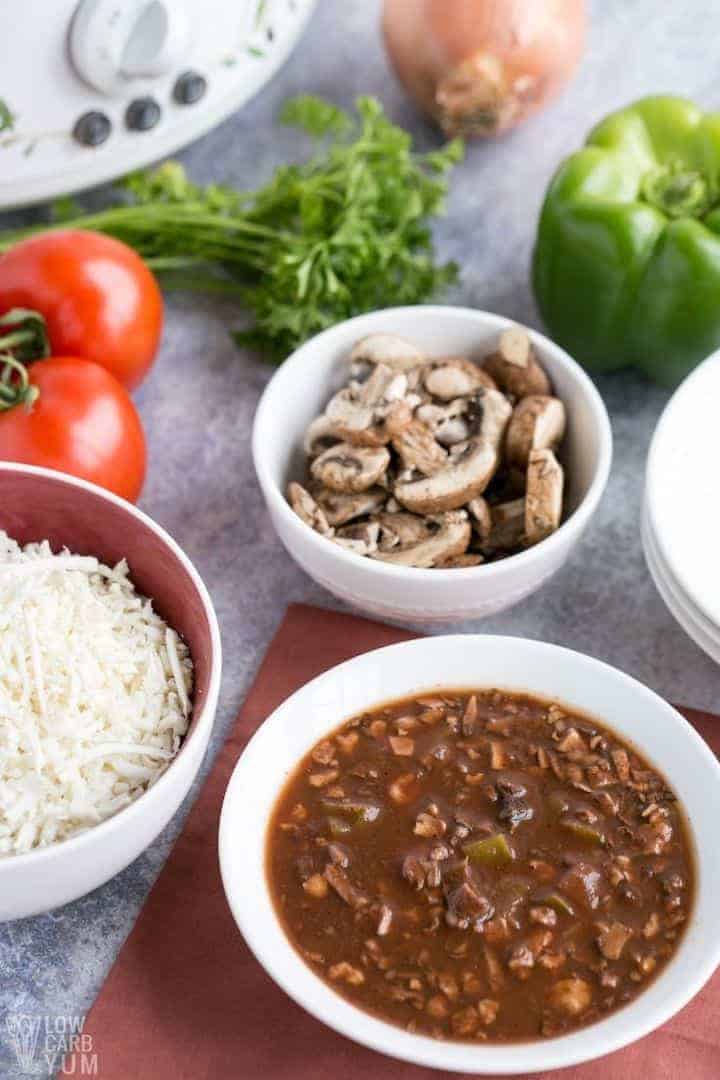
[427, 463]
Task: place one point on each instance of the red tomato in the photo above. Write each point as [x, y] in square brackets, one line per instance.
[83, 423]
[98, 297]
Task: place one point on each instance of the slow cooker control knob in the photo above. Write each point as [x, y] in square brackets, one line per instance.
[114, 43]
[189, 88]
[92, 128]
[142, 114]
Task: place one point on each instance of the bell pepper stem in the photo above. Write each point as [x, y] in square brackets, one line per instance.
[677, 192]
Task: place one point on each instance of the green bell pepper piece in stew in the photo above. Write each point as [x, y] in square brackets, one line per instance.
[627, 260]
[557, 903]
[355, 813]
[492, 851]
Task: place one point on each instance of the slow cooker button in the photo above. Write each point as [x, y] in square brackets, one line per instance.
[189, 88]
[142, 114]
[92, 128]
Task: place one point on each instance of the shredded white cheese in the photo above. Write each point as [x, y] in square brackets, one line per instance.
[94, 694]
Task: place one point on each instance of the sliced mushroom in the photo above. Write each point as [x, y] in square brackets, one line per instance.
[514, 366]
[495, 411]
[388, 419]
[324, 431]
[382, 386]
[456, 377]
[339, 508]
[452, 432]
[307, 509]
[348, 412]
[357, 413]
[417, 447]
[400, 529]
[543, 501]
[348, 468]
[537, 423]
[447, 422]
[390, 349]
[481, 517]
[361, 538]
[471, 466]
[451, 539]
[467, 475]
[508, 526]
[458, 562]
[320, 431]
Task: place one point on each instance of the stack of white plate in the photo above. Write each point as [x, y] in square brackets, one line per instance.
[681, 511]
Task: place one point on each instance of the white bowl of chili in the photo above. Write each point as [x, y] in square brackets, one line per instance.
[299, 392]
[627, 712]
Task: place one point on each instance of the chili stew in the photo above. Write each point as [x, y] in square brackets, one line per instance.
[480, 865]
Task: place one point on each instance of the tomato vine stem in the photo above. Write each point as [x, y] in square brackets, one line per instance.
[15, 386]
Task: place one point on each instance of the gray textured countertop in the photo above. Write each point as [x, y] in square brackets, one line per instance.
[199, 403]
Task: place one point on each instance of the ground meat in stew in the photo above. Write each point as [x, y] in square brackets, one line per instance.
[480, 866]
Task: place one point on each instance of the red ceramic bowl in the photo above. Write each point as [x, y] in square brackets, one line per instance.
[41, 504]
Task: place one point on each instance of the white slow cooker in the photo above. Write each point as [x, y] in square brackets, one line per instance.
[91, 89]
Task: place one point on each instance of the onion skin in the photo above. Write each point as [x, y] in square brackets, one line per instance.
[481, 67]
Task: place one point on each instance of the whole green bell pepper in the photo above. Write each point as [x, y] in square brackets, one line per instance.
[626, 268]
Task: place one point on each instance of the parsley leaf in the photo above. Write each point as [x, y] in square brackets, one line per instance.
[7, 118]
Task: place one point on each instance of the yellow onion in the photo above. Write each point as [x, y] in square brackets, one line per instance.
[480, 67]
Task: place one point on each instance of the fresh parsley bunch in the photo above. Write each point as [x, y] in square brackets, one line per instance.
[343, 233]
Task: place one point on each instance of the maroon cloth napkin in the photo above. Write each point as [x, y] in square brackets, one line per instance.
[187, 1000]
